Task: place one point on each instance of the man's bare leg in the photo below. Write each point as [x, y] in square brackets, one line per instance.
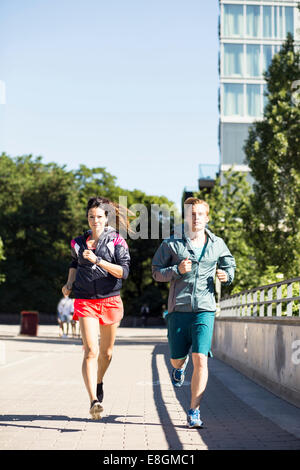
[199, 379]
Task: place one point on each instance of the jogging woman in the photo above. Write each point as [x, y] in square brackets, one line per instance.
[100, 260]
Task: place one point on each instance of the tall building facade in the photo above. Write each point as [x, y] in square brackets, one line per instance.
[250, 33]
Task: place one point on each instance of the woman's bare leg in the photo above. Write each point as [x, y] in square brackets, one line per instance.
[107, 341]
[89, 332]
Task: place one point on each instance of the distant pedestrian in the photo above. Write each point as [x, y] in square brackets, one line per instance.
[145, 311]
[65, 310]
[190, 262]
[100, 260]
[164, 312]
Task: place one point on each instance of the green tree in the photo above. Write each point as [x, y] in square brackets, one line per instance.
[2, 257]
[140, 286]
[273, 154]
[42, 207]
[38, 207]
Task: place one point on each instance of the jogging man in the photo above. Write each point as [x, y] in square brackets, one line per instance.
[190, 261]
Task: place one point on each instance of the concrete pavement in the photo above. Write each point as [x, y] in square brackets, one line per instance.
[44, 404]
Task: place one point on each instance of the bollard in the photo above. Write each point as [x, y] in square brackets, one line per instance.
[29, 322]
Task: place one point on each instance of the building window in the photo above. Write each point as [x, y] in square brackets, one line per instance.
[277, 49]
[289, 20]
[267, 57]
[283, 21]
[267, 22]
[280, 22]
[253, 21]
[253, 100]
[233, 20]
[265, 98]
[233, 60]
[275, 22]
[253, 59]
[233, 99]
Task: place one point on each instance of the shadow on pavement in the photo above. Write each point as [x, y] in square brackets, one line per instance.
[78, 341]
[168, 427]
[11, 420]
[42, 339]
[229, 422]
[119, 419]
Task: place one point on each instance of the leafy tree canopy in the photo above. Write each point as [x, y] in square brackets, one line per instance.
[273, 155]
[42, 207]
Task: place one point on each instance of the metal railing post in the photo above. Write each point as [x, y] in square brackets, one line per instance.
[279, 297]
[289, 305]
[270, 297]
[261, 299]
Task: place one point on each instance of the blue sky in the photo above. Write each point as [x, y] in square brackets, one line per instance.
[129, 85]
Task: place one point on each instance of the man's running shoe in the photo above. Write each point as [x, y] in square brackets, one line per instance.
[193, 419]
[96, 409]
[100, 393]
[178, 374]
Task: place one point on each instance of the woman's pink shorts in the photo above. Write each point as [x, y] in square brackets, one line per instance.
[108, 311]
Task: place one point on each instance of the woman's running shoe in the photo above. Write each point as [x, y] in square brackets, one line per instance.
[96, 409]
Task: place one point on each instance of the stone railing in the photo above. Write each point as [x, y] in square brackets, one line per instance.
[278, 299]
[258, 333]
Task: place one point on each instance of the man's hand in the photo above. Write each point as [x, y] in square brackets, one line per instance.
[89, 255]
[222, 275]
[185, 266]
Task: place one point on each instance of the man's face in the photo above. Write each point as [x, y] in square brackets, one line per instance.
[197, 217]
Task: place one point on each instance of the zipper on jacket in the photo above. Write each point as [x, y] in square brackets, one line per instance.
[197, 275]
[194, 287]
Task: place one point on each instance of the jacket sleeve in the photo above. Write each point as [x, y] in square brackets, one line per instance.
[74, 254]
[226, 262]
[122, 255]
[162, 268]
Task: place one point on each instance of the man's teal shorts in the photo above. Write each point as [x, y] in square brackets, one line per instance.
[190, 329]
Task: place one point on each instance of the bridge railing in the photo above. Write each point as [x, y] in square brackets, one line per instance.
[278, 299]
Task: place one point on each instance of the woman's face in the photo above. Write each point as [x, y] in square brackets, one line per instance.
[97, 219]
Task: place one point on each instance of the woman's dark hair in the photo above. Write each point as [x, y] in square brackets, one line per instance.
[101, 202]
[117, 215]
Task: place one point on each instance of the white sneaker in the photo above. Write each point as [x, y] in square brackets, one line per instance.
[96, 409]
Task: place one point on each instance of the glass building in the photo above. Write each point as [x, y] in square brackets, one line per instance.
[250, 32]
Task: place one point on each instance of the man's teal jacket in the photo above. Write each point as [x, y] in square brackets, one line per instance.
[192, 291]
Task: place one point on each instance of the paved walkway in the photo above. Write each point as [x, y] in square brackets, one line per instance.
[44, 405]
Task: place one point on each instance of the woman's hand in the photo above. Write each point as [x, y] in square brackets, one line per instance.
[65, 290]
[113, 269]
[90, 256]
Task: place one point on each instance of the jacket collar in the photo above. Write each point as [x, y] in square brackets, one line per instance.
[107, 229]
[210, 234]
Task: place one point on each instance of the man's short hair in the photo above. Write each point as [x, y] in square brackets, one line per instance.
[194, 200]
